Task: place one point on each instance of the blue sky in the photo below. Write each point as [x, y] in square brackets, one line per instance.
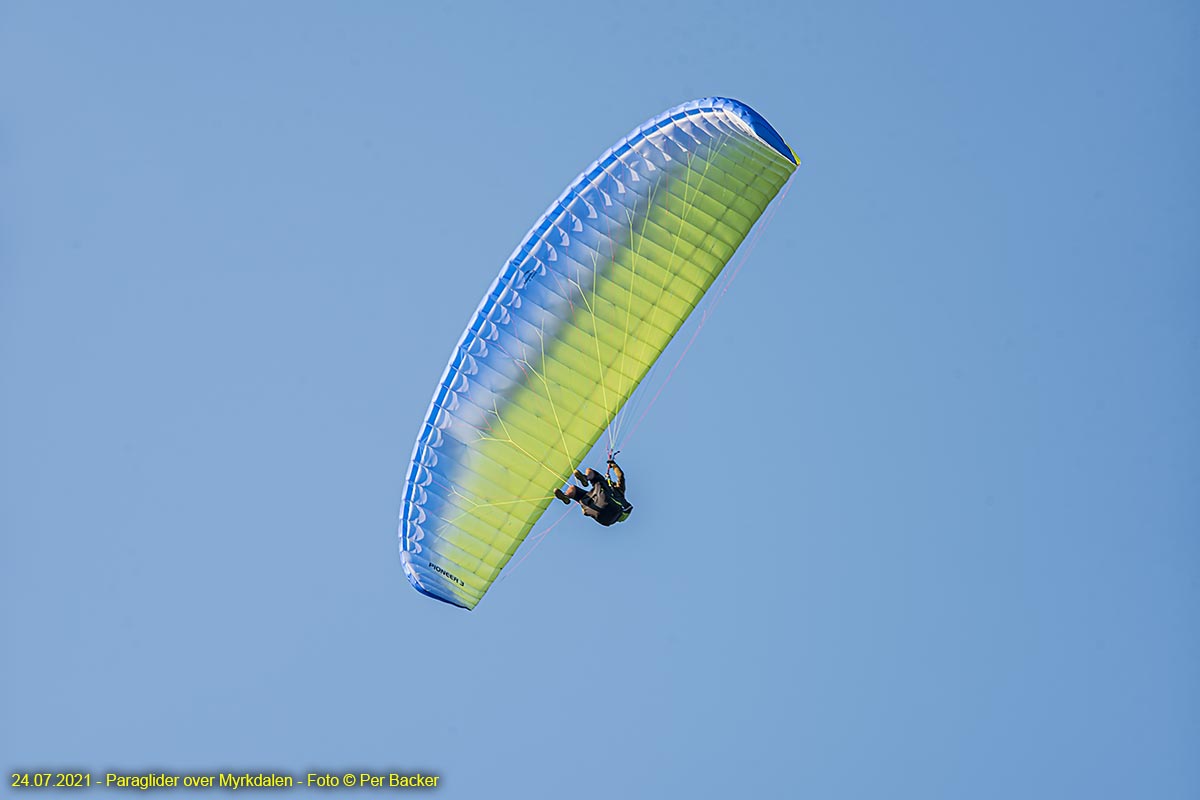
[917, 516]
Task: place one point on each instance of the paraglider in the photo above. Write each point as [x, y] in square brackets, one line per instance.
[605, 501]
[569, 329]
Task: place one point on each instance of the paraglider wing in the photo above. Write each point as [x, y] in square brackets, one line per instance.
[570, 327]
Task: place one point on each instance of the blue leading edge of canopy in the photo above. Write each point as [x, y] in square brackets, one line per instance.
[443, 598]
[755, 121]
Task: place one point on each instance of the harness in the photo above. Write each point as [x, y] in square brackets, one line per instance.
[626, 506]
[618, 498]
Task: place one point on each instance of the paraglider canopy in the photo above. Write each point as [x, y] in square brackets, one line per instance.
[569, 329]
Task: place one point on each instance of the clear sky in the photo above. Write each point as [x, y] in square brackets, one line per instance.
[918, 516]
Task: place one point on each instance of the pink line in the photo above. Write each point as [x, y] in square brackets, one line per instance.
[537, 540]
[709, 311]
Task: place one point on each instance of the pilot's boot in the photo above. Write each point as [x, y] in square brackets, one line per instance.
[559, 494]
[579, 476]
